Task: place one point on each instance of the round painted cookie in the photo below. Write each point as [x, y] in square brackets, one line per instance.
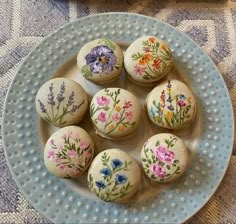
[164, 157]
[115, 112]
[147, 60]
[171, 105]
[114, 176]
[100, 61]
[68, 152]
[61, 102]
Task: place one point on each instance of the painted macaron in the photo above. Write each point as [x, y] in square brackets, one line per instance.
[61, 102]
[147, 60]
[164, 157]
[115, 113]
[114, 176]
[68, 152]
[171, 105]
[100, 61]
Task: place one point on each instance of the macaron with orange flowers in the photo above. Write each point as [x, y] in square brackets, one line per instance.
[147, 60]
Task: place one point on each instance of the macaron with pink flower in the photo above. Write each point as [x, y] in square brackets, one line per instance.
[164, 157]
[69, 152]
[115, 113]
[171, 105]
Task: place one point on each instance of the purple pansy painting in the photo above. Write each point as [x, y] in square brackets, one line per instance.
[101, 59]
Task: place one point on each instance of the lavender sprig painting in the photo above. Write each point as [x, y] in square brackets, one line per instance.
[60, 96]
[58, 105]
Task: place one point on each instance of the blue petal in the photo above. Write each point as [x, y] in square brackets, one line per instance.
[120, 179]
[105, 172]
[182, 96]
[115, 163]
[100, 184]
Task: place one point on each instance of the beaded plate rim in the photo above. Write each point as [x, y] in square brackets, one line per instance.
[7, 128]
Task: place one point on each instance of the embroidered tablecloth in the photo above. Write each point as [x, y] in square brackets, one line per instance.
[23, 23]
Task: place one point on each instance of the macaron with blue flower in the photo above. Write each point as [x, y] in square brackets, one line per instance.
[100, 61]
[114, 176]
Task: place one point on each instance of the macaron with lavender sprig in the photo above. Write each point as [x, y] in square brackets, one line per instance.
[61, 102]
[100, 61]
[147, 60]
[68, 152]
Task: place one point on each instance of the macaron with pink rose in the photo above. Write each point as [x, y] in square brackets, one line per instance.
[164, 157]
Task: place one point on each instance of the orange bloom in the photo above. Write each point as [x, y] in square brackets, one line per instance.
[145, 59]
[118, 108]
[121, 127]
[156, 63]
[162, 101]
[168, 115]
[189, 100]
[151, 39]
[162, 46]
[111, 126]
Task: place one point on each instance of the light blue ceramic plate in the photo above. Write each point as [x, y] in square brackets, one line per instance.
[210, 137]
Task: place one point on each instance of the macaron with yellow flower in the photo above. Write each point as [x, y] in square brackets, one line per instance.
[115, 113]
[147, 60]
[171, 105]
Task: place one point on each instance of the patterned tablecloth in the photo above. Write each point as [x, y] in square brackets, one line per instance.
[23, 23]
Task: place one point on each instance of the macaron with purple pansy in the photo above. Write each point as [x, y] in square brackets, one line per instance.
[100, 61]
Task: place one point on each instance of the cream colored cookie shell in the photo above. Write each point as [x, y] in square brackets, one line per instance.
[171, 105]
[101, 77]
[68, 152]
[61, 102]
[114, 176]
[147, 60]
[115, 112]
[164, 157]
